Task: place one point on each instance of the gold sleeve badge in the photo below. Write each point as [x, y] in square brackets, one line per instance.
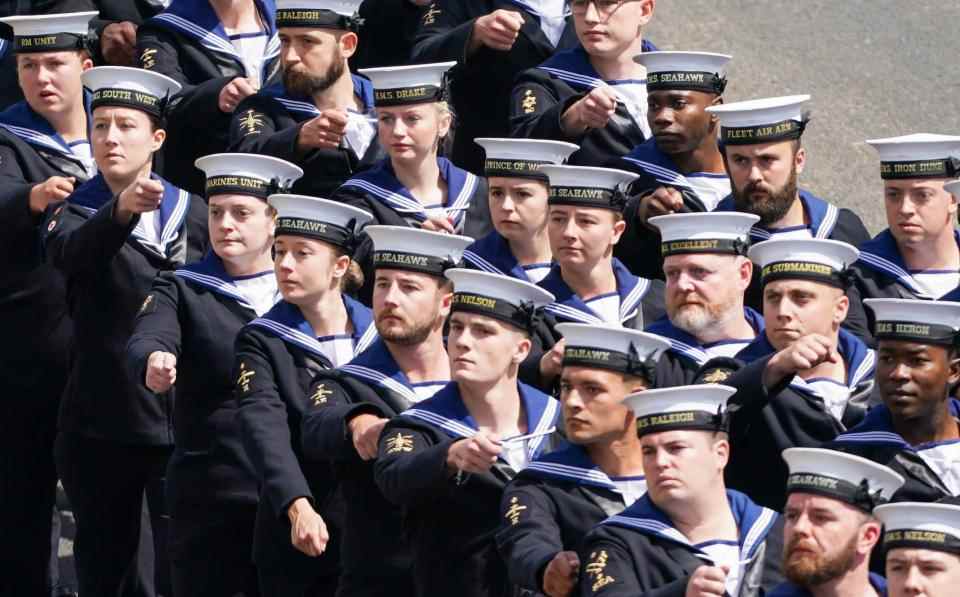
[595, 570]
[399, 443]
[250, 123]
[430, 17]
[529, 102]
[148, 59]
[320, 396]
[514, 511]
[243, 380]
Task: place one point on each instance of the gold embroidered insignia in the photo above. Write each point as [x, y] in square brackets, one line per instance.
[146, 301]
[399, 443]
[529, 102]
[716, 376]
[148, 58]
[514, 511]
[430, 17]
[320, 396]
[251, 123]
[243, 380]
[595, 570]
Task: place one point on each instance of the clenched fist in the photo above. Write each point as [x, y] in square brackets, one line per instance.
[497, 30]
[142, 196]
[233, 93]
[308, 532]
[475, 454]
[323, 131]
[161, 371]
[592, 111]
[52, 190]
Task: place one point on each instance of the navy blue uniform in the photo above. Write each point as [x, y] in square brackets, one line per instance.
[195, 314]
[452, 519]
[107, 416]
[277, 356]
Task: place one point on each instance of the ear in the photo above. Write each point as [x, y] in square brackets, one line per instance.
[522, 350]
[445, 301]
[618, 227]
[951, 203]
[444, 121]
[841, 308]
[340, 266]
[746, 273]
[348, 44]
[722, 449]
[159, 136]
[868, 537]
[954, 376]
[86, 64]
[800, 159]
[646, 11]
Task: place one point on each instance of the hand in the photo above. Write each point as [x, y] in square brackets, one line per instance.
[118, 44]
[325, 130]
[497, 30]
[52, 190]
[440, 224]
[560, 576]
[308, 532]
[475, 454]
[365, 429]
[592, 111]
[552, 361]
[233, 93]
[161, 371]
[805, 353]
[142, 196]
[663, 201]
[707, 581]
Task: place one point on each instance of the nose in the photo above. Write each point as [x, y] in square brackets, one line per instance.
[285, 262]
[907, 206]
[113, 134]
[288, 54]
[571, 400]
[390, 295]
[507, 203]
[592, 14]
[569, 229]
[801, 526]
[662, 118]
[899, 371]
[913, 582]
[685, 282]
[755, 175]
[399, 130]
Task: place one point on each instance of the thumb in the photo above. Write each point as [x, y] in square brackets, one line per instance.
[169, 361]
[572, 560]
[725, 568]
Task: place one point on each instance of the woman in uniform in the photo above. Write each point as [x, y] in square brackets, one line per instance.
[314, 327]
[186, 339]
[110, 239]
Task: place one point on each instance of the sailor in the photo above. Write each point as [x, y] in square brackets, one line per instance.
[318, 116]
[706, 271]
[584, 222]
[315, 326]
[806, 379]
[38, 166]
[688, 535]
[518, 193]
[185, 340]
[349, 406]
[681, 168]
[918, 255]
[448, 460]
[494, 41]
[829, 530]
[915, 431]
[412, 185]
[592, 94]
[110, 239]
[922, 544]
[761, 145]
[549, 507]
[220, 52]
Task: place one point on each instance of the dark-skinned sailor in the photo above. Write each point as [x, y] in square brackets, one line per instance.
[349, 406]
[688, 535]
[552, 504]
[448, 460]
[915, 431]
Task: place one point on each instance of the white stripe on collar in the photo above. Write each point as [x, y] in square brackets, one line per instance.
[366, 339]
[298, 106]
[572, 77]
[828, 222]
[568, 312]
[208, 39]
[628, 306]
[895, 271]
[397, 200]
[216, 284]
[291, 335]
[36, 138]
[381, 379]
[573, 472]
[481, 263]
[662, 173]
[697, 355]
[455, 427]
[544, 424]
[170, 229]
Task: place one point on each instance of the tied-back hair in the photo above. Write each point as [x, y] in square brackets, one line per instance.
[445, 143]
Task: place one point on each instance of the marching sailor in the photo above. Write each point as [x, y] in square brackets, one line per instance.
[922, 545]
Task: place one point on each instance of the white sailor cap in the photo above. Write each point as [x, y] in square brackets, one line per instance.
[922, 155]
[413, 249]
[686, 71]
[857, 481]
[586, 186]
[320, 14]
[127, 87]
[247, 174]
[953, 187]
[710, 232]
[914, 320]
[920, 525]
[412, 84]
[762, 120]
[501, 297]
[623, 350]
[319, 219]
[815, 259]
[50, 33]
[522, 158]
[699, 407]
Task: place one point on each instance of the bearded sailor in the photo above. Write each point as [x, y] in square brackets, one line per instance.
[518, 195]
[315, 327]
[220, 52]
[688, 535]
[44, 154]
[448, 460]
[552, 504]
[318, 116]
[349, 406]
[915, 430]
[111, 239]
